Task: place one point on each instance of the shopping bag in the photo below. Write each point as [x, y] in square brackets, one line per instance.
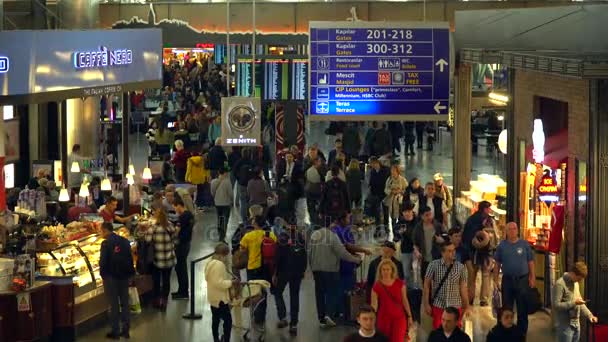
[467, 326]
[134, 304]
[496, 302]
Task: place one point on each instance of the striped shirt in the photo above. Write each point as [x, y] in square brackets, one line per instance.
[164, 247]
[449, 294]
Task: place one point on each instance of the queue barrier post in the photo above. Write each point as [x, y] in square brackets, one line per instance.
[192, 314]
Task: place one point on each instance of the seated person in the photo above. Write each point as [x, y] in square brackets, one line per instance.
[107, 212]
[388, 252]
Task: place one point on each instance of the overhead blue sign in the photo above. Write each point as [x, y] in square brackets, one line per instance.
[379, 71]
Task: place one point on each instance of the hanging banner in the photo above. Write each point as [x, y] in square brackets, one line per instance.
[289, 126]
[241, 124]
[557, 227]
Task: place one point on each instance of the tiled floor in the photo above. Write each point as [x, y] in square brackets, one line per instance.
[154, 326]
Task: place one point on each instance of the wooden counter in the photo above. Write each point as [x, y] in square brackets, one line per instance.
[34, 324]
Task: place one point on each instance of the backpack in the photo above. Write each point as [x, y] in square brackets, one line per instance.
[245, 173]
[297, 254]
[334, 198]
[269, 250]
[285, 202]
[121, 263]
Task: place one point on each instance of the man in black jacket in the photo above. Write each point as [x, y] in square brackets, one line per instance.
[405, 233]
[334, 199]
[115, 268]
[428, 236]
[217, 158]
[449, 330]
[377, 182]
[182, 249]
[291, 262]
[436, 204]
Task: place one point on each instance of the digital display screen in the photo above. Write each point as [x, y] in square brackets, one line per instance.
[245, 77]
[276, 79]
[299, 79]
[370, 69]
[220, 53]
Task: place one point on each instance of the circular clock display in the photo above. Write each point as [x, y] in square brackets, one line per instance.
[241, 118]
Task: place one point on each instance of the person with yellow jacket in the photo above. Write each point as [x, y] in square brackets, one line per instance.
[198, 174]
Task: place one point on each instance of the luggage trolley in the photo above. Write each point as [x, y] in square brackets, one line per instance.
[251, 296]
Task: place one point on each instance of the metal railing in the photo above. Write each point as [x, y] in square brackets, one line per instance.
[192, 314]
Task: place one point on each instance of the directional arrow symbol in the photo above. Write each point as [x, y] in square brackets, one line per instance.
[442, 63]
[438, 107]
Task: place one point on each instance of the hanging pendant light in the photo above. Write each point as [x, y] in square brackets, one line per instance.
[130, 180]
[147, 174]
[84, 190]
[63, 195]
[75, 167]
[106, 185]
[131, 169]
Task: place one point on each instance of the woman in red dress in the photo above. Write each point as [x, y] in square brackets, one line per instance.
[389, 299]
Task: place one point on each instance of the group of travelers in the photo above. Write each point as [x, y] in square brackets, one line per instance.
[427, 264]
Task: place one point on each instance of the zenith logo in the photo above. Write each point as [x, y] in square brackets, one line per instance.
[4, 64]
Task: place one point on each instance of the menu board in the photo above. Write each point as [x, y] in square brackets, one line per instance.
[379, 70]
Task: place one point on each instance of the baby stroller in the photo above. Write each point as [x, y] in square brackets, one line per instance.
[251, 295]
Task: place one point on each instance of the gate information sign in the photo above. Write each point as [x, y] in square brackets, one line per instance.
[379, 71]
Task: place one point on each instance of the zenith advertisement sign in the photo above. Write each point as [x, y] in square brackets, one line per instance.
[102, 58]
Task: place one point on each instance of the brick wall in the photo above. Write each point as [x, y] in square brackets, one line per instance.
[576, 93]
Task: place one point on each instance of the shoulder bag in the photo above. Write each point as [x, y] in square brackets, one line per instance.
[445, 277]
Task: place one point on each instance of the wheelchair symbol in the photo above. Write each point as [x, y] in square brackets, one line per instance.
[323, 63]
[322, 107]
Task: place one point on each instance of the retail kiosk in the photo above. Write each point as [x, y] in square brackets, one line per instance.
[54, 66]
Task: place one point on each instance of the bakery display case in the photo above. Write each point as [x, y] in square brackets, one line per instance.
[78, 260]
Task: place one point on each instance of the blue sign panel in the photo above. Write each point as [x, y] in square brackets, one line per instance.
[369, 71]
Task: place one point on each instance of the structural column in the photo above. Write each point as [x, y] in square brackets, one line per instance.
[126, 111]
[596, 234]
[462, 129]
[513, 167]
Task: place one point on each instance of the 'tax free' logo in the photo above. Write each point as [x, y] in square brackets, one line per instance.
[4, 64]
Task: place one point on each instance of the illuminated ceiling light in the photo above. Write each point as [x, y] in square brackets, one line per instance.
[84, 190]
[501, 117]
[498, 97]
[75, 167]
[147, 174]
[131, 169]
[63, 195]
[130, 179]
[106, 185]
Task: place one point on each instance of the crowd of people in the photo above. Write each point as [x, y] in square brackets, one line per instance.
[428, 265]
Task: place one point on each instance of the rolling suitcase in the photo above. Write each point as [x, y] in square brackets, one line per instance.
[599, 332]
[358, 296]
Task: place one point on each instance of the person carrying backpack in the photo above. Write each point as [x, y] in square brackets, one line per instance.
[334, 200]
[243, 173]
[115, 268]
[260, 246]
[290, 262]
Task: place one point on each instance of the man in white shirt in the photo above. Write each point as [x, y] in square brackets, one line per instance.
[218, 284]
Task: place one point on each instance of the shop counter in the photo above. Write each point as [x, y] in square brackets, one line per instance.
[23, 321]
